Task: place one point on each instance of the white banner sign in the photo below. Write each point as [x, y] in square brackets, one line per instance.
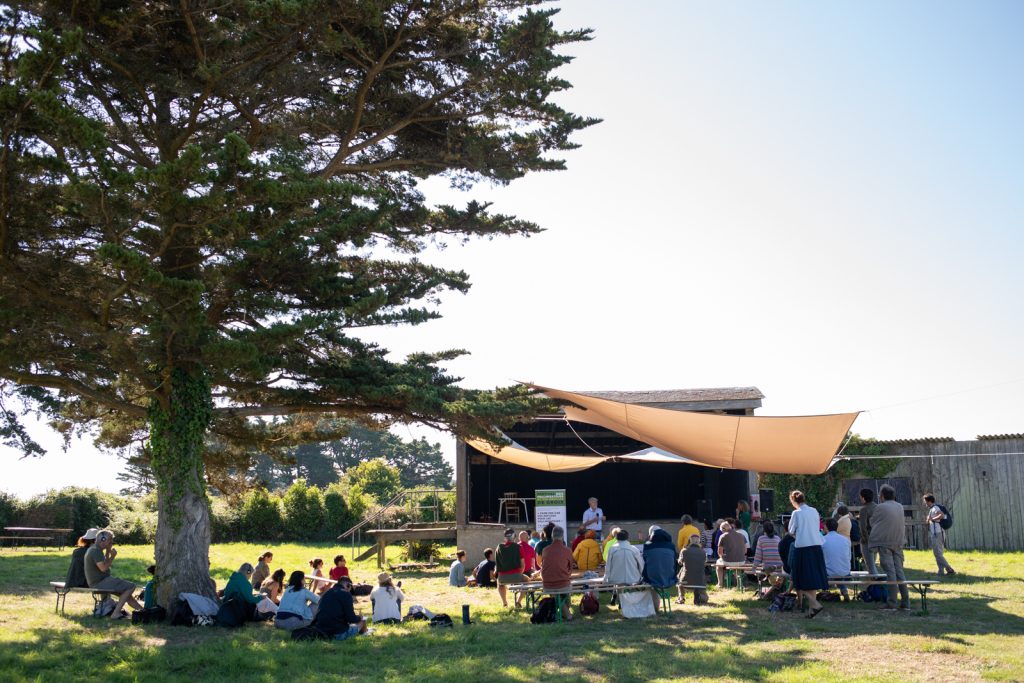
[550, 507]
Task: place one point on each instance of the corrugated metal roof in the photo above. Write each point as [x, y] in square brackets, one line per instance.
[680, 395]
[999, 437]
[908, 442]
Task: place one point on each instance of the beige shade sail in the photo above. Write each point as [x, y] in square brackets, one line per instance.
[517, 455]
[788, 445]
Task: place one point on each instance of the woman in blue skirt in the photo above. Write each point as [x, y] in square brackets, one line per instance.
[806, 559]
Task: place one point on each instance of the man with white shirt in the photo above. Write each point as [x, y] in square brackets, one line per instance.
[593, 518]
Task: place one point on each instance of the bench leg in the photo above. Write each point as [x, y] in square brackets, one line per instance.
[924, 598]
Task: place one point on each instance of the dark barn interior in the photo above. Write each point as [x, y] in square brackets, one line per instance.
[627, 490]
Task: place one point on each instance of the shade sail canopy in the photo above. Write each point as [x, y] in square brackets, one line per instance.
[788, 445]
[519, 455]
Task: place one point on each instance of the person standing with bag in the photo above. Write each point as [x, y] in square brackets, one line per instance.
[936, 533]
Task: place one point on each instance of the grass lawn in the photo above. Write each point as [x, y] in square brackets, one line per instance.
[975, 630]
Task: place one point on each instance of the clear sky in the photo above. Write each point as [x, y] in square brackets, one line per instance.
[823, 200]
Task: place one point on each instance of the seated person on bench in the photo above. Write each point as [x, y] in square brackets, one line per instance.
[836, 548]
[691, 561]
[98, 560]
[732, 551]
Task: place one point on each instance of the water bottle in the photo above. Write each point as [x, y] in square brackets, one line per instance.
[465, 615]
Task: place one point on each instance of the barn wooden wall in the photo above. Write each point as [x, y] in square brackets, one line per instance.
[985, 492]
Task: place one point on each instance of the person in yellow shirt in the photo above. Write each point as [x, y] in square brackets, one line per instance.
[611, 541]
[683, 539]
[588, 553]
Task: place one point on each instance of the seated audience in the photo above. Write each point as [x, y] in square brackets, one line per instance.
[735, 524]
[691, 561]
[785, 547]
[339, 569]
[457, 572]
[509, 565]
[386, 600]
[612, 539]
[534, 539]
[836, 548]
[659, 562]
[76, 572]
[545, 541]
[148, 595]
[484, 572]
[581, 533]
[240, 586]
[556, 567]
[297, 603]
[687, 530]
[336, 615]
[625, 562]
[732, 551]
[319, 587]
[262, 569]
[273, 586]
[844, 520]
[97, 563]
[766, 552]
[707, 538]
[587, 553]
[715, 536]
[528, 553]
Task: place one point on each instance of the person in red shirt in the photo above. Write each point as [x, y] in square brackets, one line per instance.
[339, 569]
[528, 553]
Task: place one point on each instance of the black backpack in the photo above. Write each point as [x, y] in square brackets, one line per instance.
[854, 531]
[544, 612]
[947, 521]
[361, 589]
[181, 614]
[149, 616]
[234, 612]
[442, 620]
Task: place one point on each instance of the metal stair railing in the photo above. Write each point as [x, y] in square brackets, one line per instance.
[355, 533]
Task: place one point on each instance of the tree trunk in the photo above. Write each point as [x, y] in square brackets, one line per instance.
[178, 421]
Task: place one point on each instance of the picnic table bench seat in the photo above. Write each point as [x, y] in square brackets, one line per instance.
[578, 587]
[98, 594]
[919, 585]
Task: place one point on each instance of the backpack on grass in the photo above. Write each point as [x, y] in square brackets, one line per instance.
[442, 620]
[589, 604]
[149, 616]
[947, 521]
[181, 614]
[234, 613]
[544, 612]
[309, 633]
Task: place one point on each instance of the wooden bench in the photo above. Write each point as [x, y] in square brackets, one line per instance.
[921, 586]
[14, 539]
[98, 595]
[579, 587]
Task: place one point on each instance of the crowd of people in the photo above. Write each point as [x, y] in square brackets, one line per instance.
[811, 552]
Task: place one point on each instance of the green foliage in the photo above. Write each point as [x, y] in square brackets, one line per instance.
[822, 490]
[10, 509]
[131, 520]
[421, 551]
[304, 511]
[260, 518]
[338, 516]
[376, 478]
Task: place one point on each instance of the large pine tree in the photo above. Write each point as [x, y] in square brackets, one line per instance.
[201, 200]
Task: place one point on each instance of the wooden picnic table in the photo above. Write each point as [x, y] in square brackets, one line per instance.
[18, 534]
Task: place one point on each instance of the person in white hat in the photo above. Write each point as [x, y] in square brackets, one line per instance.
[76, 572]
[387, 601]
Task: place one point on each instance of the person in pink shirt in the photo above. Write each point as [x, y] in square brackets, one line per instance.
[528, 553]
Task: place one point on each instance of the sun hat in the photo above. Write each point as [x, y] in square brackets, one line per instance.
[90, 534]
[383, 577]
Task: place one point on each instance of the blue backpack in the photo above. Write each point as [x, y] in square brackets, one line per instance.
[855, 531]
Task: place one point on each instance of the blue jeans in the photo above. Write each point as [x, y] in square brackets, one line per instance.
[353, 630]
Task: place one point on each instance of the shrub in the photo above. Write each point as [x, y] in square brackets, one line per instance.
[338, 517]
[421, 551]
[225, 520]
[375, 477]
[10, 509]
[260, 516]
[303, 510]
